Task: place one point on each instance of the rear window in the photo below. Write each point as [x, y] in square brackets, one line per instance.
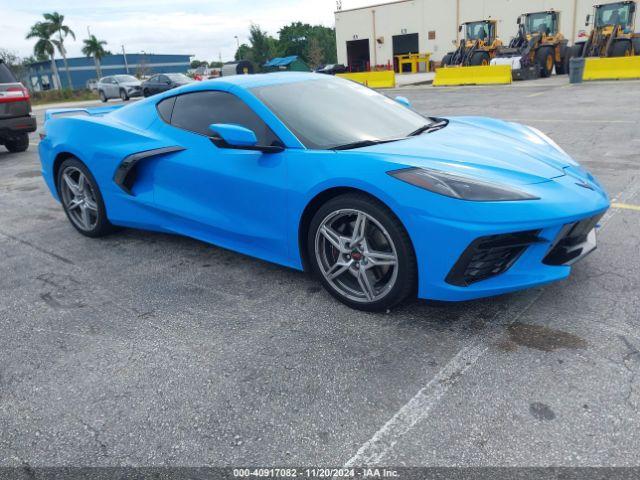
[5, 74]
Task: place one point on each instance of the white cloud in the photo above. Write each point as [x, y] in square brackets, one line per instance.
[204, 28]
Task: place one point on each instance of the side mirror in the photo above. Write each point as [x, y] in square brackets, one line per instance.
[587, 21]
[403, 101]
[234, 136]
[519, 20]
[460, 28]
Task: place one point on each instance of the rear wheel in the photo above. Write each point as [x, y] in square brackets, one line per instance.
[103, 97]
[562, 67]
[81, 199]
[17, 144]
[544, 59]
[362, 253]
[622, 48]
[480, 58]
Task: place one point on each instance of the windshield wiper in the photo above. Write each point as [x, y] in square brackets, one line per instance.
[362, 143]
[437, 124]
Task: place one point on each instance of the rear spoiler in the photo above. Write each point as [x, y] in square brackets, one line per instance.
[92, 112]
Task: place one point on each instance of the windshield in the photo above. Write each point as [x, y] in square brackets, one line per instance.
[330, 112]
[125, 78]
[613, 14]
[478, 31]
[178, 77]
[543, 22]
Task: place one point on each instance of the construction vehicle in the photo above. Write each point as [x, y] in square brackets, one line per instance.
[478, 47]
[612, 34]
[537, 48]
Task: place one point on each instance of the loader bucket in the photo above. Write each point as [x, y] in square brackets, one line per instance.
[482, 75]
[612, 68]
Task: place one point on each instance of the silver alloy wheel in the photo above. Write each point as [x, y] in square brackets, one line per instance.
[356, 255]
[79, 199]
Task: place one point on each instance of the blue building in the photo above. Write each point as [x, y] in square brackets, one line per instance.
[83, 69]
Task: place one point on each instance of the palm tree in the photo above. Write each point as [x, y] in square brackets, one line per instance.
[45, 46]
[56, 23]
[94, 48]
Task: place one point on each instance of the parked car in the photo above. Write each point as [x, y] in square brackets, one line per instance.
[16, 121]
[163, 82]
[92, 85]
[119, 86]
[380, 201]
[332, 69]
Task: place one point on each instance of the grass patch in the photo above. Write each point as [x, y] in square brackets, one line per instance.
[58, 96]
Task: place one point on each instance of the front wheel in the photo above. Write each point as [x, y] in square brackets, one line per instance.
[145, 93]
[622, 48]
[103, 97]
[545, 60]
[123, 96]
[17, 144]
[362, 253]
[81, 199]
[480, 59]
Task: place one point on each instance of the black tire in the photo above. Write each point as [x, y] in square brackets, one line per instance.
[480, 58]
[17, 144]
[545, 61]
[562, 67]
[102, 225]
[577, 50]
[124, 96]
[406, 279]
[103, 97]
[622, 48]
[446, 60]
[145, 92]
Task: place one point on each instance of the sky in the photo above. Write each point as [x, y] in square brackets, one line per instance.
[203, 28]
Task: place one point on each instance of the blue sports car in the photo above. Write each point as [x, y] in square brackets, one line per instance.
[319, 173]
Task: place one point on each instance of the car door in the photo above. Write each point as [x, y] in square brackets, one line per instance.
[230, 197]
[112, 87]
[164, 83]
[148, 85]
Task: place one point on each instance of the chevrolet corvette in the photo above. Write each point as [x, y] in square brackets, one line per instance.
[319, 173]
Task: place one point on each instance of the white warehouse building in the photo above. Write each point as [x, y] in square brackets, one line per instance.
[374, 35]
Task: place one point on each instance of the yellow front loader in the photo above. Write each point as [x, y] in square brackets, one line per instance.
[613, 33]
[538, 48]
[469, 63]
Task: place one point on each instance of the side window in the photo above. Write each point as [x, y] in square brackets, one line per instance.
[165, 108]
[163, 79]
[196, 111]
[153, 79]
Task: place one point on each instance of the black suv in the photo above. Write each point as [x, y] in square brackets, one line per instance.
[15, 109]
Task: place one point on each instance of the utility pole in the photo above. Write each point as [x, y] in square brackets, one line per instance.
[126, 65]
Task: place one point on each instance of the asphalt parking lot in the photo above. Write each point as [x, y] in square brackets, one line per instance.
[149, 349]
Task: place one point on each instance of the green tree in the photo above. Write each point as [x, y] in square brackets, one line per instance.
[45, 47]
[243, 52]
[198, 64]
[57, 26]
[95, 48]
[312, 43]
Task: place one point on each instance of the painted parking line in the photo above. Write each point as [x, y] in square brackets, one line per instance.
[626, 206]
[419, 407]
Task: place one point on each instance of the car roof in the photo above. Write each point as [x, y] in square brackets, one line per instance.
[256, 80]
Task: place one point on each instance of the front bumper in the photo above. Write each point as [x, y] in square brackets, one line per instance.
[11, 127]
[537, 241]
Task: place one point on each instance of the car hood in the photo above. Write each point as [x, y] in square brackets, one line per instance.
[481, 147]
[130, 84]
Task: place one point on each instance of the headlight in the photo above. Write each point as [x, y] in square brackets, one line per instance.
[459, 186]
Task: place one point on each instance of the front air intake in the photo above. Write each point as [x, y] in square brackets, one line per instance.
[489, 256]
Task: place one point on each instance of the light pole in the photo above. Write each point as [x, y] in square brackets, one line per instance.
[126, 65]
